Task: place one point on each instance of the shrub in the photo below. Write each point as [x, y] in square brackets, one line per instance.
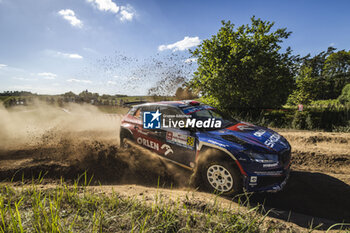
[345, 95]
[326, 103]
[276, 118]
[332, 118]
[299, 120]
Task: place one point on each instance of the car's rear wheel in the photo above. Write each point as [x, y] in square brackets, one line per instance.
[124, 143]
[222, 177]
[125, 137]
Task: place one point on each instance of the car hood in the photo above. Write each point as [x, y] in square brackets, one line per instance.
[252, 137]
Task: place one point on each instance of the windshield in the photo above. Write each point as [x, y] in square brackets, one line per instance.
[213, 113]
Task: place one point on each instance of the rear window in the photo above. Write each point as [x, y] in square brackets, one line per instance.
[132, 111]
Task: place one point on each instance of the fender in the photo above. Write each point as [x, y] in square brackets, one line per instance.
[125, 128]
[201, 144]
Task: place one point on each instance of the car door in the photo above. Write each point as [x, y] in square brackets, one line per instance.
[178, 145]
[148, 138]
[135, 122]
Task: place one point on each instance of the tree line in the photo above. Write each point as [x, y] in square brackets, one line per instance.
[12, 98]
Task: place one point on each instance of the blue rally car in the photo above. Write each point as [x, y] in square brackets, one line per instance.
[229, 156]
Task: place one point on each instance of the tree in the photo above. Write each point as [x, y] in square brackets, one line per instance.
[336, 72]
[309, 83]
[321, 77]
[85, 96]
[244, 68]
[305, 84]
[69, 95]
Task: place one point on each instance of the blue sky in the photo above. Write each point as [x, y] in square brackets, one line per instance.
[108, 46]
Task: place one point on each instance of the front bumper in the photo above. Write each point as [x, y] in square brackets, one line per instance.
[268, 182]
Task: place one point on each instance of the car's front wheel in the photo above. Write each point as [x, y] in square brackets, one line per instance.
[222, 177]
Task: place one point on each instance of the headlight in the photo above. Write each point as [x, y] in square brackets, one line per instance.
[263, 158]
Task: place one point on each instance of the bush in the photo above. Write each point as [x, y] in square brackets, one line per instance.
[344, 98]
[326, 103]
[329, 119]
[299, 120]
[345, 129]
[276, 118]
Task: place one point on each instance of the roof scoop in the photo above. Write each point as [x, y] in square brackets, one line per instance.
[192, 102]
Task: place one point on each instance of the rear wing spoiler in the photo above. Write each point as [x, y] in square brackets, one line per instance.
[130, 104]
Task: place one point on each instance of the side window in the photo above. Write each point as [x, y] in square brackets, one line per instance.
[150, 108]
[137, 113]
[146, 108]
[170, 113]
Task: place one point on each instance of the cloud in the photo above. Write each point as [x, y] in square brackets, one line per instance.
[69, 15]
[47, 75]
[24, 79]
[112, 83]
[2, 65]
[70, 55]
[105, 5]
[191, 60]
[73, 80]
[125, 13]
[332, 44]
[54, 53]
[186, 43]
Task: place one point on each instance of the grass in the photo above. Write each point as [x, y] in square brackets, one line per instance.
[76, 208]
[2, 98]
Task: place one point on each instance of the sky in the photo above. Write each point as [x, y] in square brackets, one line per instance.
[124, 47]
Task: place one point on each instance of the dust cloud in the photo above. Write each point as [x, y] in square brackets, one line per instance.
[66, 142]
[30, 126]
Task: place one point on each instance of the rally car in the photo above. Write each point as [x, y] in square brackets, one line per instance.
[234, 157]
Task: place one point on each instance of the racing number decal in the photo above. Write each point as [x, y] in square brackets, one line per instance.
[190, 141]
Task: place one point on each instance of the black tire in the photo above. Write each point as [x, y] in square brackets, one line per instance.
[124, 138]
[124, 143]
[221, 176]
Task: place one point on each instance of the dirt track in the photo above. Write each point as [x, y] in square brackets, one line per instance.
[319, 186]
